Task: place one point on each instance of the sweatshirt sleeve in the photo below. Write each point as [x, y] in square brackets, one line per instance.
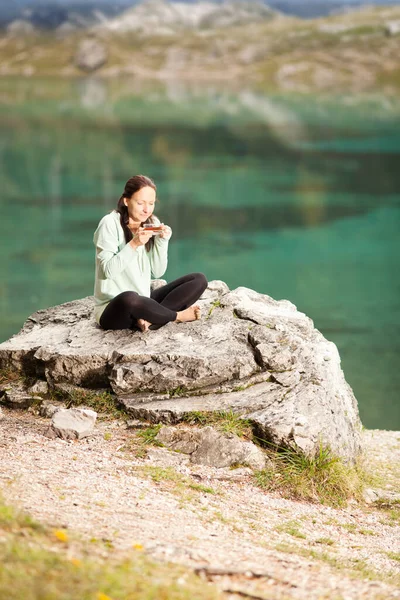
[158, 257]
[112, 261]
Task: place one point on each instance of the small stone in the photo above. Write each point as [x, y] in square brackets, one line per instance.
[73, 423]
[164, 458]
[238, 474]
[137, 424]
[370, 496]
[39, 388]
[48, 410]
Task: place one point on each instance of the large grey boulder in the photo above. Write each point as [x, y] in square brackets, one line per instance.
[249, 354]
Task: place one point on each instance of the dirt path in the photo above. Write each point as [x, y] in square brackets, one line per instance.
[214, 520]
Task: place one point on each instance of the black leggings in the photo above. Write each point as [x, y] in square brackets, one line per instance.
[125, 309]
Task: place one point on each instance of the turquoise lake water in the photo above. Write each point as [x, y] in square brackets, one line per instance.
[294, 197]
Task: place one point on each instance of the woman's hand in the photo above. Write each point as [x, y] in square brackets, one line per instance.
[141, 237]
[166, 232]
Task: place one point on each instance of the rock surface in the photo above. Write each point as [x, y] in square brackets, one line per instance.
[72, 423]
[249, 354]
[207, 446]
[47, 409]
[40, 388]
[16, 395]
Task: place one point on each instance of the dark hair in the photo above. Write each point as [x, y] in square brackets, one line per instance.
[133, 185]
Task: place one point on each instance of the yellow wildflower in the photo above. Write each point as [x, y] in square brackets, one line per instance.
[138, 547]
[61, 535]
[76, 562]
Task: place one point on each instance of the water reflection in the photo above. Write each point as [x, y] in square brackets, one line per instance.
[92, 92]
[273, 193]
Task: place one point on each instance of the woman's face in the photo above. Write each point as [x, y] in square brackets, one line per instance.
[141, 204]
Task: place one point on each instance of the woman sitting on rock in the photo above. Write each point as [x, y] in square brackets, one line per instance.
[127, 254]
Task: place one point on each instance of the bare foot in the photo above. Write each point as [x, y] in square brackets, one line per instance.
[143, 325]
[193, 313]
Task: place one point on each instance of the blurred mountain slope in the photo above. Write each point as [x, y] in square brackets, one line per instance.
[49, 14]
[352, 51]
[161, 16]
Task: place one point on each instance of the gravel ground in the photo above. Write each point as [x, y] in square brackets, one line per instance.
[225, 527]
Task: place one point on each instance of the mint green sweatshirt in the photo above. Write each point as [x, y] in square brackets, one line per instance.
[121, 268]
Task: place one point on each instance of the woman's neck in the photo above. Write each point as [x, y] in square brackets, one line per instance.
[133, 225]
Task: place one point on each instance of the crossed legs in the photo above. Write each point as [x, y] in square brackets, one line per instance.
[172, 302]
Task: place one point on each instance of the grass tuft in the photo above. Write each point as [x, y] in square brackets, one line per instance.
[102, 402]
[292, 528]
[394, 556]
[9, 375]
[224, 421]
[353, 567]
[320, 478]
[387, 504]
[139, 443]
[215, 304]
[175, 482]
[325, 540]
[390, 508]
[148, 435]
[202, 488]
[178, 392]
[12, 519]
